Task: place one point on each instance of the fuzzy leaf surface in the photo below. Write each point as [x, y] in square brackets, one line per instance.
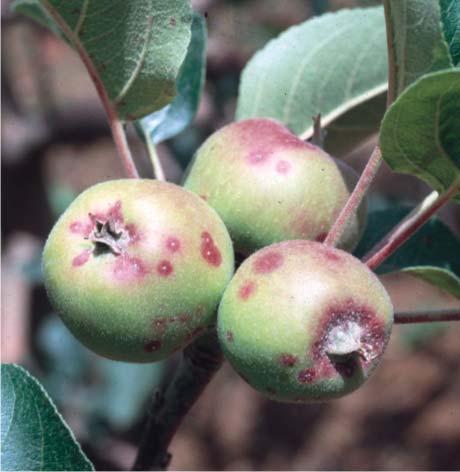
[419, 46]
[135, 47]
[450, 15]
[327, 65]
[34, 435]
[420, 133]
[434, 244]
[175, 117]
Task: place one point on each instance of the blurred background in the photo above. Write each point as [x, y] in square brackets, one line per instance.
[56, 143]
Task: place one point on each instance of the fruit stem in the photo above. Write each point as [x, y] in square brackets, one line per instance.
[355, 199]
[115, 124]
[407, 317]
[409, 225]
[158, 171]
[200, 361]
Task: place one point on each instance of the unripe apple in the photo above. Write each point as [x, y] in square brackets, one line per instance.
[269, 186]
[136, 268]
[301, 321]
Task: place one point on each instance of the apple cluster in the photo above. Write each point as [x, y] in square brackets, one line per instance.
[138, 268]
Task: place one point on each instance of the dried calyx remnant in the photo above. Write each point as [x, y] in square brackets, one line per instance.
[110, 235]
[346, 341]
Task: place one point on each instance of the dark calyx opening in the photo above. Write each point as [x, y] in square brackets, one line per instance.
[109, 237]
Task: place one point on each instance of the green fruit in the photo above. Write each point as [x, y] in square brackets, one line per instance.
[269, 186]
[301, 321]
[136, 268]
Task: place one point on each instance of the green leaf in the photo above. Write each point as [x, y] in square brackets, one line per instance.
[432, 245]
[34, 435]
[327, 65]
[175, 117]
[135, 47]
[420, 132]
[442, 278]
[418, 42]
[450, 15]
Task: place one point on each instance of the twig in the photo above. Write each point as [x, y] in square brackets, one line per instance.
[115, 124]
[158, 171]
[200, 362]
[355, 199]
[409, 225]
[407, 317]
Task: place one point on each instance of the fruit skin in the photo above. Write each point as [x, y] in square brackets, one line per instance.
[284, 311]
[269, 186]
[160, 291]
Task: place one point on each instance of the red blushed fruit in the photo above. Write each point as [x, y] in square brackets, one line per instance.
[315, 327]
[268, 185]
[136, 268]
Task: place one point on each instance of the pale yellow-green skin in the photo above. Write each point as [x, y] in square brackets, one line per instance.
[269, 186]
[117, 316]
[283, 316]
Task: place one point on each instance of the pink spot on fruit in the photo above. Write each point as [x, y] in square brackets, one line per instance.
[306, 376]
[133, 234]
[128, 268]
[268, 262]
[288, 360]
[77, 227]
[115, 212]
[152, 346]
[258, 157]
[282, 167]
[246, 290]
[209, 250]
[82, 258]
[330, 253]
[229, 336]
[164, 268]
[173, 244]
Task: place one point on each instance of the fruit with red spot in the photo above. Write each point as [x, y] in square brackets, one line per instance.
[313, 326]
[269, 186]
[136, 268]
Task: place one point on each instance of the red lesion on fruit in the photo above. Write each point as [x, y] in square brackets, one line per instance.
[209, 250]
[373, 338]
[164, 268]
[268, 262]
[283, 167]
[82, 258]
[229, 336]
[173, 244]
[258, 156]
[330, 253]
[152, 345]
[81, 228]
[128, 268]
[246, 290]
[288, 360]
[307, 375]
